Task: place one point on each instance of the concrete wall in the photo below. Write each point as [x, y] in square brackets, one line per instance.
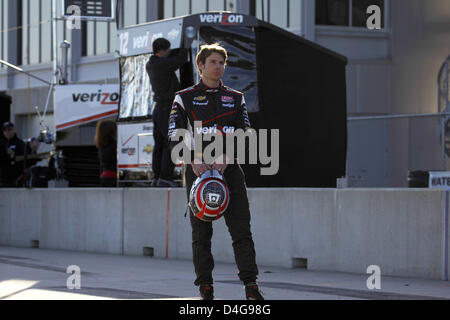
[400, 230]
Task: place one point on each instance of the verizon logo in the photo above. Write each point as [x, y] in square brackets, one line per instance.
[222, 18]
[146, 40]
[126, 141]
[102, 97]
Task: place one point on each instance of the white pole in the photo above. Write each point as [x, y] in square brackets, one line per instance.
[55, 51]
[55, 60]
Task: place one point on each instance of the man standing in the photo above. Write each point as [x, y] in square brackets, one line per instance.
[161, 70]
[10, 147]
[32, 147]
[217, 107]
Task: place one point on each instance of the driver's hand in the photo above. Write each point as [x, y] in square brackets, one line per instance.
[199, 169]
[221, 163]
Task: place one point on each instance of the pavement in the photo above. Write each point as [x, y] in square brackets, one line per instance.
[39, 274]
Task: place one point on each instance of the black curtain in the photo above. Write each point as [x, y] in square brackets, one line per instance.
[81, 167]
[302, 92]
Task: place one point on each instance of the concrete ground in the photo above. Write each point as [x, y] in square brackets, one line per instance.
[40, 274]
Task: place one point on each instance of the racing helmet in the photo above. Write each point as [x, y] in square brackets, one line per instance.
[209, 196]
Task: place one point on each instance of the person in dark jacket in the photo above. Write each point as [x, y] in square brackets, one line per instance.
[106, 143]
[30, 160]
[10, 147]
[161, 70]
[31, 150]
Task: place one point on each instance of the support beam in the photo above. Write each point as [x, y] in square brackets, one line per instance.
[246, 7]
[14, 46]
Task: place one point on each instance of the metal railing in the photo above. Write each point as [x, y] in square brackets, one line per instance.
[428, 145]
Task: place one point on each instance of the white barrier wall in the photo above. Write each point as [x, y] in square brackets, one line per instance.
[400, 230]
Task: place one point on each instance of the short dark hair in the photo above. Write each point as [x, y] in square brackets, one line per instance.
[207, 49]
[160, 44]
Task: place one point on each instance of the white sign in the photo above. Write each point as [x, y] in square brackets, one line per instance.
[79, 104]
[135, 145]
[146, 144]
[439, 180]
[138, 40]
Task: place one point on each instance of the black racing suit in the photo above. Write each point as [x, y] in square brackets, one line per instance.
[217, 108]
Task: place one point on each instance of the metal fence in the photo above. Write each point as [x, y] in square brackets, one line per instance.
[383, 150]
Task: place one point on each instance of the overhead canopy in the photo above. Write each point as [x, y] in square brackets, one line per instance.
[136, 40]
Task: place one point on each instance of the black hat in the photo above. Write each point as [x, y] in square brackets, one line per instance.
[8, 124]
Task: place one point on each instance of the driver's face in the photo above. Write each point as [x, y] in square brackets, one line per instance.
[214, 67]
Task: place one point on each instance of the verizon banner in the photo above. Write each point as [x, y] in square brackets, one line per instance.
[79, 104]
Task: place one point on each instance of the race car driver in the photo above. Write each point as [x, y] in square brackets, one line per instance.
[217, 106]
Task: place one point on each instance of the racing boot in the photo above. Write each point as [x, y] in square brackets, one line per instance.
[252, 292]
[207, 292]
